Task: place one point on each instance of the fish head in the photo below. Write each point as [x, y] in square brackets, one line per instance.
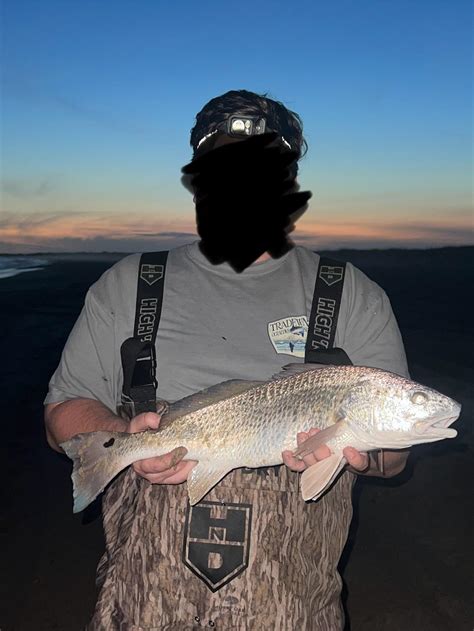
[392, 412]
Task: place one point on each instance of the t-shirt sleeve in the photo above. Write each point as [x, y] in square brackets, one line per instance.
[86, 366]
[371, 336]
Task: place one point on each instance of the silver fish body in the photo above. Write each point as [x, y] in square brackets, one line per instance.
[249, 424]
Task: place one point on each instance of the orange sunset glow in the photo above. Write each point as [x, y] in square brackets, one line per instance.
[91, 231]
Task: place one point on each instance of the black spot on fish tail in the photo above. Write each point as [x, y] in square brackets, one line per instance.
[109, 443]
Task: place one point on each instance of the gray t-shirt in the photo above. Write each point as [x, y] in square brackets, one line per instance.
[251, 554]
[217, 325]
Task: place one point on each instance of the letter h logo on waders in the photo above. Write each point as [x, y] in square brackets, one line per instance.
[217, 541]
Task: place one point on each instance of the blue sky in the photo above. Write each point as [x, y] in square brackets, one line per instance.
[98, 100]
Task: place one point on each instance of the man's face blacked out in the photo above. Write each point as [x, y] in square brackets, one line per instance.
[244, 199]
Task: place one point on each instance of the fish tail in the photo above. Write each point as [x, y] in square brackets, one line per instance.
[95, 463]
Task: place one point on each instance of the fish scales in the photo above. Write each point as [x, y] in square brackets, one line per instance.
[288, 405]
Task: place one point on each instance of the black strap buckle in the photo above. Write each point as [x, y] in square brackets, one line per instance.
[335, 355]
[139, 381]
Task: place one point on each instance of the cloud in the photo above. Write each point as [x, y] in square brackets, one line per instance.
[69, 222]
[417, 230]
[20, 247]
[302, 237]
[71, 231]
[166, 235]
[385, 234]
[31, 222]
[96, 244]
[24, 188]
[31, 91]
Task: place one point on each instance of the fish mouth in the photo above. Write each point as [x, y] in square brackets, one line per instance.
[438, 426]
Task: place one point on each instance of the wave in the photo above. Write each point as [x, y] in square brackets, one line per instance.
[13, 265]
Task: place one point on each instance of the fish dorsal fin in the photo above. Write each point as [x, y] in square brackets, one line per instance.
[296, 369]
[202, 478]
[206, 397]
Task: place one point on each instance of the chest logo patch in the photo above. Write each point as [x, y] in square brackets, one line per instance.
[288, 335]
[217, 541]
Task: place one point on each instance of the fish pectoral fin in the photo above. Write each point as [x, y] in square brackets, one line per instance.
[315, 441]
[202, 478]
[316, 479]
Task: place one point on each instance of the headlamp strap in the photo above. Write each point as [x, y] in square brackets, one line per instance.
[241, 126]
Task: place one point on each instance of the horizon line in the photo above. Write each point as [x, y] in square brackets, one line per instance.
[340, 249]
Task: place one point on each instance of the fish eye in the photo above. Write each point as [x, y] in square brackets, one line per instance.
[418, 398]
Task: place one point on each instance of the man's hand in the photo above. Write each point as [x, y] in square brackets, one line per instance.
[171, 468]
[357, 462]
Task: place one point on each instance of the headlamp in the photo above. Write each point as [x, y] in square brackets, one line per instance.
[241, 126]
[245, 126]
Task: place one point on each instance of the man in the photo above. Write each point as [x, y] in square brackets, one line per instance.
[276, 555]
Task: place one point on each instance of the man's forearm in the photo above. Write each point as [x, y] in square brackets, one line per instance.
[77, 416]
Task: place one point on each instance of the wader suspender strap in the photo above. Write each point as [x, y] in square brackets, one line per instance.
[320, 347]
[324, 313]
[138, 352]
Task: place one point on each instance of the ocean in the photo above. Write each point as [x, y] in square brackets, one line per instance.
[13, 265]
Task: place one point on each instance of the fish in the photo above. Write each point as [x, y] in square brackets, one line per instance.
[241, 423]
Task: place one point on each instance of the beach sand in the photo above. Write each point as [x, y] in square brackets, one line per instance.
[408, 563]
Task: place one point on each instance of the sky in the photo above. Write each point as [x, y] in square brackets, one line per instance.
[98, 99]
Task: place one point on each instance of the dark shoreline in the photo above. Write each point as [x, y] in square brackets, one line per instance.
[409, 565]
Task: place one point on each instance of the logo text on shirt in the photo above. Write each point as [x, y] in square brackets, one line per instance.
[288, 335]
